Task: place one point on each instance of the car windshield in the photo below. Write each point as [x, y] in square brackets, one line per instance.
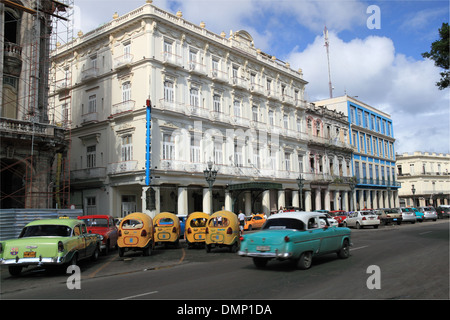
[96, 222]
[367, 213]
[219, 221]
[284, 223]
[428, 209]
[198, 222]
[46, 231]
[391, 211]
[445, 209]
[132, 224]
[165, 222]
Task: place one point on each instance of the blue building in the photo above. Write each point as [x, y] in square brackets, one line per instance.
[373, 159]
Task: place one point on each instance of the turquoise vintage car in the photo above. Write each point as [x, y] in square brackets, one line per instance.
[49, 242]
[296, 236]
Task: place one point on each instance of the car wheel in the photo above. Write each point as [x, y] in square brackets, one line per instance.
[121, 251]
[147, 251]
[15, 270]
[234, 248]
[345, 224]
[305, 260]
[344, 252]
[208, 248]
[94, 256]
[358, 226]
[260, 262]
[74, 260]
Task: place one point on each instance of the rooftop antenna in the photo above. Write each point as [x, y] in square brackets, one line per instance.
[327, 44]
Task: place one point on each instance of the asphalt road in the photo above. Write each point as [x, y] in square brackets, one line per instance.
[410, 262]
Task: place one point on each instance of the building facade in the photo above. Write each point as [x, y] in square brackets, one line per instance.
[373, 159]
[215, 99]
[32, 148]
[425, 179]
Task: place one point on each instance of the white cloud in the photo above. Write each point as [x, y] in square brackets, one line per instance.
[402, 87]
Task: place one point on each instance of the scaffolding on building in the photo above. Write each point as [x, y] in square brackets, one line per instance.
[51, 23]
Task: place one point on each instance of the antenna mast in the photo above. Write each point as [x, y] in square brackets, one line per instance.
[327, 44]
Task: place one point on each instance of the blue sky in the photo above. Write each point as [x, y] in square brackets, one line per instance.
[382, 66]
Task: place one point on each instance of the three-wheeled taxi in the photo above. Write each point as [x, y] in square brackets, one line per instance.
[222, 230]
[167, 228]
[136, 233]
[195, 229]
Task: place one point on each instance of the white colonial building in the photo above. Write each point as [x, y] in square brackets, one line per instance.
[215, 98]
[425, 178]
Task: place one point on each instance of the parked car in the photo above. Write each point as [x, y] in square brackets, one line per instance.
[49, 242]
[443, 211]
[408, 215]
[339, 216]
[331, 220]
[389, 215]
[255, 221]
[103, 225]
[429, 213]
[359, 219]
[295, 236]
[136, 233]
[222, 230]
[419, 215]
[167, 229]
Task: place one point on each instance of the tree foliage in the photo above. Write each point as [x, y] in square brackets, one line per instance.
[440, 54]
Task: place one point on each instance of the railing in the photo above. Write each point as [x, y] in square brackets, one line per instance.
[121, 167]
[88, 117]
[125, 106]
[123, 61]
[88, 173]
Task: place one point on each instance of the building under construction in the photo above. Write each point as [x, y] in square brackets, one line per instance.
[34, 168]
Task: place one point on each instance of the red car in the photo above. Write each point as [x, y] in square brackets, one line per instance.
[104, 226]
[339, 216]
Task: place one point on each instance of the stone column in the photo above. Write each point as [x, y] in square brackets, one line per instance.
[307, 200]
[266, 202]
[182, 200]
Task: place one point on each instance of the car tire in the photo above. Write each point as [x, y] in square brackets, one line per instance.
[260, 263]
[358, 226]
[305, 260]
[95, 254]
[147, 251]
[15, 270]
[74, 260]
[344, 252]
[208, 248]
[121, 251]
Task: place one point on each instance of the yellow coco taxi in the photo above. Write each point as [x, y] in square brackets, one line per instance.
[195, 228]
[222, 231]
[136, 233]
[167, 228]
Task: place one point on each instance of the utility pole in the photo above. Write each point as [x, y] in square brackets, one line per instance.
[327, 44]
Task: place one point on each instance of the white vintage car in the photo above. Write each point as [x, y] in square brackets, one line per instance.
[359, 219]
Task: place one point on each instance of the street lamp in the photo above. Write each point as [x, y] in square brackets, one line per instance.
[300, 190]
[210, 176]
[413, 190]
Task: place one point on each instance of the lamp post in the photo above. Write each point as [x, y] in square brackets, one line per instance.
[210, 176]
[300, 190]
[413, 190]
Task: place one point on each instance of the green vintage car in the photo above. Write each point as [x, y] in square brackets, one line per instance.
[49, 242]
[296, 236]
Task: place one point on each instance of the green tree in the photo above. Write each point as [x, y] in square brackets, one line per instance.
[440, 54]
